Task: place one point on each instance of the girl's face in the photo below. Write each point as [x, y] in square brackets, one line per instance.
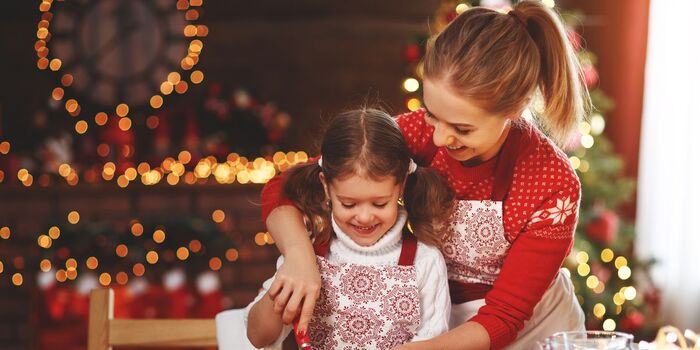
[364, 208]
[469, 133]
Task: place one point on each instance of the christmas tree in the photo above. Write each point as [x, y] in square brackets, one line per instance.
[611, 284]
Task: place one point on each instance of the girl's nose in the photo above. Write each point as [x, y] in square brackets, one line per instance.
[365, 217]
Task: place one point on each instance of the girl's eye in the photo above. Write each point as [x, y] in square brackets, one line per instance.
[348, 206]
[382, 205]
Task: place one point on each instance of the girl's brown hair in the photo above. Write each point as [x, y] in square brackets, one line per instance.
[368, 142]
[506, 61]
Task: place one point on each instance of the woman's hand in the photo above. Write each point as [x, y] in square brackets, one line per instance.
[297, 284]
[296, 287]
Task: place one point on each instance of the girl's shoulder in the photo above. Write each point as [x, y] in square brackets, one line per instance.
[427, 254]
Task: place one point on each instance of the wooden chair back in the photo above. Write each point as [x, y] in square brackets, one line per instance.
[104, 331]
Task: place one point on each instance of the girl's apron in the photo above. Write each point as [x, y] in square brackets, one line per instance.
[475, 252]
[366, 307]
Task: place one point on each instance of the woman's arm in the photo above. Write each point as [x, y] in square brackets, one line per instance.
[297, 283]
[468, 336]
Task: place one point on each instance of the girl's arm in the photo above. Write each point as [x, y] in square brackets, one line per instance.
[434, 293]
[264, 324]
[297, 283]
[435, 312]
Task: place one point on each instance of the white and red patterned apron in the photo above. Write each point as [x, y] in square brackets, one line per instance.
[475, 252]
[366, 307]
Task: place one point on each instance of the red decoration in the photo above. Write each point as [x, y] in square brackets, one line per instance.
[590, 75]
[412, 53]
[574, 39]
[632, 321]
[604, 228]
[600, 271]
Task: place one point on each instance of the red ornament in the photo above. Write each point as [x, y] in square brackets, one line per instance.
[632, 321]
[652, 298]
[411, 53]
[600, 271]
[604, 228]
[450, 16]
[574, 39]
[590, 75]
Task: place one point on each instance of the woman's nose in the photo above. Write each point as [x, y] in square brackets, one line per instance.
[441, 138]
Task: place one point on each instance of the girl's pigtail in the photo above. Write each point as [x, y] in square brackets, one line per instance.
[429, 202]
[303, 187]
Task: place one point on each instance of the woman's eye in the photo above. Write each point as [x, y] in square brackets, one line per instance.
[380, 205]
[348, 206]
[464, 132]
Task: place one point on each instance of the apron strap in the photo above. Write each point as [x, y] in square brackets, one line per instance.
[408, 248]
[321, 249]
[505, 166]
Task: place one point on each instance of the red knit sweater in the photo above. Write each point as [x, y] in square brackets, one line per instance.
[539, 217]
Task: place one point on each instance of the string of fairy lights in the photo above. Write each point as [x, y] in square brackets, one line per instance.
[69, 271]
[171, 171]
[236, 169]
[174, 81]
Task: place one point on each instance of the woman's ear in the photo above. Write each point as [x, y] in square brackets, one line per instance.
[322, 178]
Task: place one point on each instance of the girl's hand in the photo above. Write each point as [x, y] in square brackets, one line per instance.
[298, 281]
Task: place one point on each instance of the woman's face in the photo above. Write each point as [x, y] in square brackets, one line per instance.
[364, 208]
[469, 133]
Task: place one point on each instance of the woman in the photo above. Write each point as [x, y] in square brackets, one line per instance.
[518, 194]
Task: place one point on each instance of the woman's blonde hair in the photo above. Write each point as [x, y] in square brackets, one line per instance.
[505, 62]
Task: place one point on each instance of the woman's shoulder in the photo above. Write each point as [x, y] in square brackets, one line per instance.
[418, 114]
[541, 158]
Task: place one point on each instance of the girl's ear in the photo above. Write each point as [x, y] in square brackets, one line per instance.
[322, 178]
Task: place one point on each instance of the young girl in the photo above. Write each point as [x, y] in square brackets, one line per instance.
[380, 288]
[518, 193]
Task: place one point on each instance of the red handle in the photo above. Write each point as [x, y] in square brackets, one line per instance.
[303, 340]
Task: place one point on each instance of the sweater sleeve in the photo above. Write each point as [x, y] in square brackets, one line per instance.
[434, 293]
[272, 194]
[419, 136]
[531, 265]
